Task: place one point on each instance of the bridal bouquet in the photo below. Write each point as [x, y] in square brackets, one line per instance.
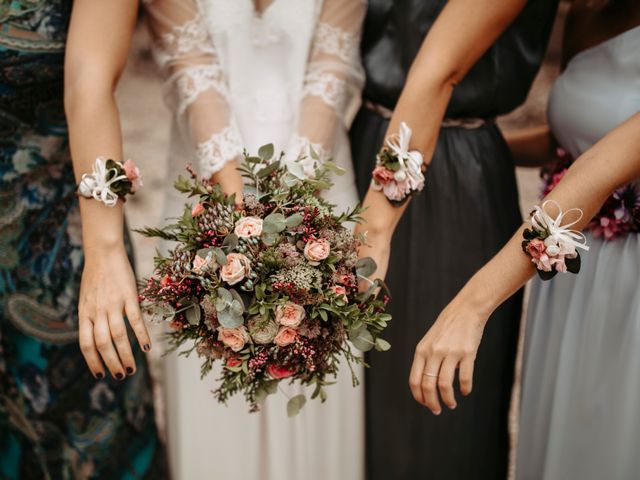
[268, 288]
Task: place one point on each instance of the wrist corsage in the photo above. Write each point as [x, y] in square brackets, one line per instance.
[551, 245]
[398, 173]
[110, 181]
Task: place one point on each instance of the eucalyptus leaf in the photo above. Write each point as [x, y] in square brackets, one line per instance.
[221, 258]
[238, 298]
[332, 167]
[295, 404]
[296, 170]
[382, 345]
[265, 152]
[228, 319]
[361, 339]
[254, 160]
[236, 308]
[294, 220]
[268, 170]
[225, 295]
[193, 314]
[230, 243]
[204, 252]
[274, 223]
[366, 267]
[312, 152]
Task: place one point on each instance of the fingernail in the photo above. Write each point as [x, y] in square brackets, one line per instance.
[129, 371]
[119, 376]
[146, 347]
[453, 407]
[99, 376]
[437, 413]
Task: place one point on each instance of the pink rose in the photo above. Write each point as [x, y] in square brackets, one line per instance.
[233, 361]
[198, 209]
[382, 175]
[234, 338]
[317, 249]
[248, 227]
[237, 268]
[340, 291]
[277, 373]
[201, 264]
[133, 174]
[290, 314]
[286, 336]
[536, 248]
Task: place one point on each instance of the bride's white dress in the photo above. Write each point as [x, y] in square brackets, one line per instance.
[239, 78]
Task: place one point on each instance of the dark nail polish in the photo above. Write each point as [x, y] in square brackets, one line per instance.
[146, 347]
[119, 376]
[129, 371]
[99, 376]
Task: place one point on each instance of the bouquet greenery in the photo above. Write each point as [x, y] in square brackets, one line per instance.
[268, 287]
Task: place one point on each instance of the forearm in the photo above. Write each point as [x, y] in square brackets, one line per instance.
[612, 162]
[531, 147]
[97, 48]
[462, 33]
[94, 130]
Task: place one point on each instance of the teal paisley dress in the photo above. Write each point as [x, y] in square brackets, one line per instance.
[56, 420]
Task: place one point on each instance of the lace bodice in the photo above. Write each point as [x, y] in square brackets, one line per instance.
[223, 62]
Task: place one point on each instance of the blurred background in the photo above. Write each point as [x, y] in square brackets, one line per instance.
[146, 124]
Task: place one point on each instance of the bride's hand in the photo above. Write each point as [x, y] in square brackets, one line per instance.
[107, 293]
[230, 180]
[451, 343]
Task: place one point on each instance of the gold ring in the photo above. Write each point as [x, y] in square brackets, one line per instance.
[434, 375]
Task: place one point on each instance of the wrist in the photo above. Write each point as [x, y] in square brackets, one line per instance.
[478, 297]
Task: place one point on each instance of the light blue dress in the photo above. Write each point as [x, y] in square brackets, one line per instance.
[580, 415]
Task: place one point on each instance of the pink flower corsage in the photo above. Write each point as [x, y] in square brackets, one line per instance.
[110, 181]
[398, 173]
[552, 246]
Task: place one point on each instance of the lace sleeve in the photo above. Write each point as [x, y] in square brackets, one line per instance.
[333, 78]
[195, 84]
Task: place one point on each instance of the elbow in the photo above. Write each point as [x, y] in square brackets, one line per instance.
[87, 88]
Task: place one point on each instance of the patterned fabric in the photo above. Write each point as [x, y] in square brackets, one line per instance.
[56, 421]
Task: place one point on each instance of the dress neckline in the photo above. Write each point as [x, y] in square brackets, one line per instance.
[597, 46]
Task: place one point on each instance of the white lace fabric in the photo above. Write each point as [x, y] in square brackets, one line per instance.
[334, 74]
[195, 84]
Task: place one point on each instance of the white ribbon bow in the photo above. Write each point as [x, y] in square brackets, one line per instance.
[541, 220]
[95, 185]
[410, 160]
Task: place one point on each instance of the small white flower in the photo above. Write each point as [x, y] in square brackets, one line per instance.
[400, 176]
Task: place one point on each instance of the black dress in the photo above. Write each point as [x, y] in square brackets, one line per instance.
[467, 211]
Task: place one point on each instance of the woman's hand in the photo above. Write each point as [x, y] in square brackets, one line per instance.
[230, 180]
[108, 292]
[451, 343]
